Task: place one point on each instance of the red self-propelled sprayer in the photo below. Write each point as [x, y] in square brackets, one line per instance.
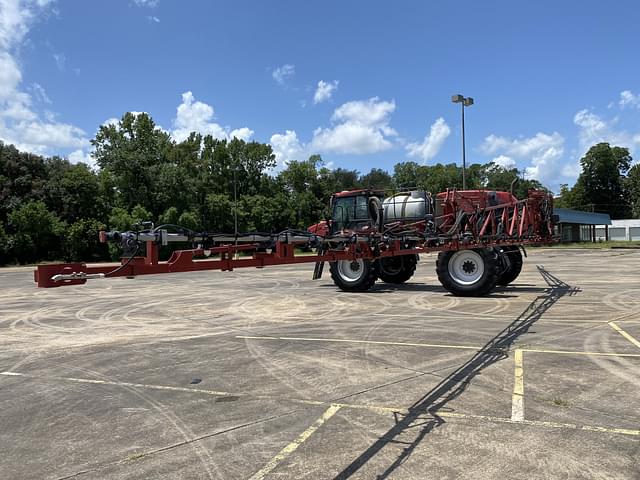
[479, 235]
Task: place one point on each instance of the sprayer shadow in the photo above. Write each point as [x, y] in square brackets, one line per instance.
[423, 416]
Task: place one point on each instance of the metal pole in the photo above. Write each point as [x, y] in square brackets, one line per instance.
[235, 208]
[464, 159]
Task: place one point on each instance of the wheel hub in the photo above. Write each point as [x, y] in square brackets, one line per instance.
[466, 267]
[350, 270]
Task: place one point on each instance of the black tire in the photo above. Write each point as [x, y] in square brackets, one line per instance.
[354, 275]
[511, 258]
[397, 269]
[469, 273]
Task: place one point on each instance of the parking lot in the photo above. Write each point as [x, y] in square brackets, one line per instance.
[268, 374]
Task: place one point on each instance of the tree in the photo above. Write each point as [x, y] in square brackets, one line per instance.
[496, 177]
[23, 177]
[81, 243]
[601, 185]
[377, 179]
[632, 187]
[133, 152]
[36, 232]
[4, 246]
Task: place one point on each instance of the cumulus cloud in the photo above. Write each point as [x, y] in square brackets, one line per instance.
[432, 143]
[20, 123]
[505, 162]
[283, 73]
[153, 19]
[594, 129]
[324, 91]
[111, 121]
[146, 3]
[361, 127]
[287, 147]
[195, 116]
[629, 99]
[79, 156]
[543, 151]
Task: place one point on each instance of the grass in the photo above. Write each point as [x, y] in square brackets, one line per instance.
[598, 245]
[555, 401]
[559, 402]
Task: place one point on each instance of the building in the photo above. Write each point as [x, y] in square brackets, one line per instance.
[624, 230]
[577, 226]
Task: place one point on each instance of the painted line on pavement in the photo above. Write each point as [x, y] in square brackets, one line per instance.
[373, 408]
[293, 446]
[517, 399]
[373, 342]
[615, 326]
[431, 345]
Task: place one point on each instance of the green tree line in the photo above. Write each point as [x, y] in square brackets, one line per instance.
[51, 209]
[608, 184]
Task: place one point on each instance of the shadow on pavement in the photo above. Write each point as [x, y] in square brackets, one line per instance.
[423, 414]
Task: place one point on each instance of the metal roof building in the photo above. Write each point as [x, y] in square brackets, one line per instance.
[578, 226]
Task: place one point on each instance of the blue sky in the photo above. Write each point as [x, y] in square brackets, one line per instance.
[364, 83]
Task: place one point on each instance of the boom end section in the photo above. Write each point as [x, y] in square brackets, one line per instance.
[44, 275]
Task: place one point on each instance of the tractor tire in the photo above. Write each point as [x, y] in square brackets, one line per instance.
[397, 269]
[512, 264]
[353, 275]
[469, 273]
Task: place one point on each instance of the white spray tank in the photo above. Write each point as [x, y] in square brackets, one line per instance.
[407, 207]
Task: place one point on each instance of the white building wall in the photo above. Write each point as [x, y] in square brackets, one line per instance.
[620, 230]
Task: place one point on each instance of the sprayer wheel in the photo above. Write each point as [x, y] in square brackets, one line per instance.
[512, 261]
[353, 275]
[397, 269]
[468, 273]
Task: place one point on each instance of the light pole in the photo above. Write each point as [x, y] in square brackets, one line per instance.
[464, 102]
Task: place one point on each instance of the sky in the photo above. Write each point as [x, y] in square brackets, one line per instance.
[365, 84]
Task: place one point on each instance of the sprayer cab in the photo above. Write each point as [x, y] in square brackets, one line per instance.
[366, 211]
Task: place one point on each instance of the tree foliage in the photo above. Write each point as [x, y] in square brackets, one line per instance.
[51, 209]
[603, 185]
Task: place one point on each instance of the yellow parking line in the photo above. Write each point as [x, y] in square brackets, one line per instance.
[374, 408]
[293, 446]
[431, 345]
[517, 399]
[615, 326]
[573, 352]
[373, 342]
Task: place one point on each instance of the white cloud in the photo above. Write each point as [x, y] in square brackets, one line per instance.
[594, 129]
[362, 127]
[146, 3]
[287, 147]
[79, 156]
[629, 99]
[324, 91]
[61, 61]
[20, 123]
[284, 73]
[10, 75]
[505, 162]
[16, 17]
[522, 147]
[243, 133]
[40, 93]
[111, 121]
[543, 151]
[196, 116]
[153, 19]
[432, 143]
